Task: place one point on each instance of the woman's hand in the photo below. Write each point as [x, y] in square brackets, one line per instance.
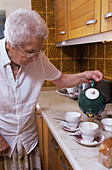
[4, 146]
[96, 75]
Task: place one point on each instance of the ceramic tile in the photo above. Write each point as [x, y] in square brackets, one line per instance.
[92, 50]
[56, 63]
[85, 64]
[100, 65]
[39, 5]
[68, 52]
[68, 65]
[54, 52]
[92, 64]
[85, 51]
[50, 84]
[50, 5]
[43, 15]
[77, 66]
[45, 48]
[51, 36]
[51, 20]
[45, 84]
[100, 50]
[78, 51]
[108, 68]
[109, 50]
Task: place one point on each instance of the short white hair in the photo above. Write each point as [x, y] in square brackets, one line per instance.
[22, 24]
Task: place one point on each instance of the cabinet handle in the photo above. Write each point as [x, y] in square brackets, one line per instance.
[91, 22]
[56, 147]
[38, 115]
[64, 166]
[62, 32]
[108, 15]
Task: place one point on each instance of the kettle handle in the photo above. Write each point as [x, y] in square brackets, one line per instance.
[92, 83]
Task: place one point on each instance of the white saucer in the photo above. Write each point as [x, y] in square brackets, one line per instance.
[65, 93]
[98, 139]
[68, 128]
[62, 92]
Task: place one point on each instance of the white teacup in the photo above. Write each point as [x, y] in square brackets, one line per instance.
[88, 130]
[72, 118]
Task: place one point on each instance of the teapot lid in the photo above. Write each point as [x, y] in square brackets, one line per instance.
[92, 93]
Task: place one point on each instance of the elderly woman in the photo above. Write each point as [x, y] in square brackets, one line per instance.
[23, 70]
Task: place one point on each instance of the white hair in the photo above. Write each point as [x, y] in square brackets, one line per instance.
[22, 24]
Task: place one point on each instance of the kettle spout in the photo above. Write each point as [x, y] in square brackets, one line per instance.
[90, 113]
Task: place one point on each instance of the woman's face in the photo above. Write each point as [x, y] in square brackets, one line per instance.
[24, 54]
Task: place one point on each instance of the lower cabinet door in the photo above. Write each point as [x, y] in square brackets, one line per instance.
[63, 163]
[53, 149]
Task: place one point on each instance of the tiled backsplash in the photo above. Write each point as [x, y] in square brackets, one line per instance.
[73, 59]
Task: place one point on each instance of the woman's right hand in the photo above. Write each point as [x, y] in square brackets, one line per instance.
[4, 146]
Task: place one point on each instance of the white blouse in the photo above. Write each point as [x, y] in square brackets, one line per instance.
[18, 98]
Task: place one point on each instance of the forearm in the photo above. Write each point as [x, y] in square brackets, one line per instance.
[70, 80]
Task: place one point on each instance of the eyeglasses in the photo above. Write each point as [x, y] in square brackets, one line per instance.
[30, 55]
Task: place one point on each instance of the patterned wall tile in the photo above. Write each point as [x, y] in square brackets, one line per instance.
[51, 36]
[100, 65]
[39, 5]
[109, 50]
[78, 51]
[43, 15]
[68, 52]
[50, 84]
[45, 83]
[56, 63]
[54, 52]
[50, 5]
[100, 50]
[92, 50]
[85, 51]
[77, 66]
[68, 65]
[91, 64]
[85, 64]
[108, 68]
[50, 20]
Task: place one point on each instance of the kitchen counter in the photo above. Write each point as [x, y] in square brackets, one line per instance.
[53, 105]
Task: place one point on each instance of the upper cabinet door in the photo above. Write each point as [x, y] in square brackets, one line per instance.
[83, 18]
[60, 20]
[106, 24]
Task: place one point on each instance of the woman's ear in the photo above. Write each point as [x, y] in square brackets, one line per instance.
[9, 46]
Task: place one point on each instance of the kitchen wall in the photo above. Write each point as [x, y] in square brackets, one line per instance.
[11, 5]
[73, 59]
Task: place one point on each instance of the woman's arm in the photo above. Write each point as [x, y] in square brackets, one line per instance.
[70, 80]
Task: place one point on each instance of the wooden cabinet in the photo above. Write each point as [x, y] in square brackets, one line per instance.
[39, 120]
[52, 157]
[81, 18]
[60, 20]
[56, 157]
[106, 20]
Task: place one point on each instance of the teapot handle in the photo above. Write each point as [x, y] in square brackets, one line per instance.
[92, 83]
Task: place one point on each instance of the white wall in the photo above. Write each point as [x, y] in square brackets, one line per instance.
[11, 5]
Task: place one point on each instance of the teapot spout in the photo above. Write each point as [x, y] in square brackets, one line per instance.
[90, 113]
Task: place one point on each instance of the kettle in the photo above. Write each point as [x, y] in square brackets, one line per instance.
[91, 101]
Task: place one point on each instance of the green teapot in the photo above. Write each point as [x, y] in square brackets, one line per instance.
[91, 101]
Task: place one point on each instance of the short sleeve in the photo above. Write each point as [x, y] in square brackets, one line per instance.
[50, 71]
